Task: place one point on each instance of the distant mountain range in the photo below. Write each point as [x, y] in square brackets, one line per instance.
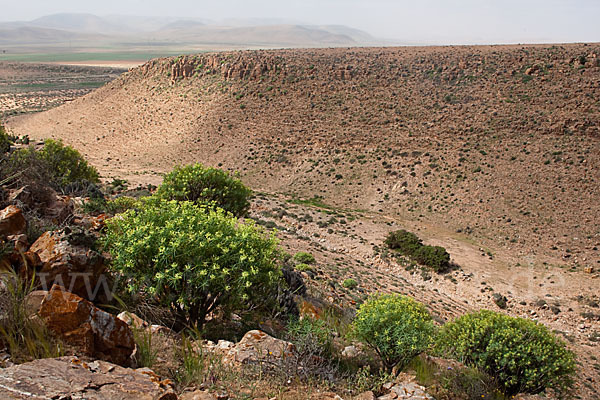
[85, 30]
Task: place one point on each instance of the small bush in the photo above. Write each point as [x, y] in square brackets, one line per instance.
[67, 164]
[310, 331]
[406, 242]
[435, 257]
[192, 258]
[350, 284]
[524, 356]
[303, 267]
[311, 359]
[206, 185]
[304, 258]
[55, 164]
[5, 140]
[397, 327]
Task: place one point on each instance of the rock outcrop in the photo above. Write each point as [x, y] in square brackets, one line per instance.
[69, 262]
[92, 331]
[257, 346]
[12, 222]
[70, 378]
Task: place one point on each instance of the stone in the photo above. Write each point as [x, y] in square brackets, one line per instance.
[132, 320]
[33, 301]
[350, 352]
[500, 300]
[410, 390]
[19, 242]
[325, 396]
[365, 396]
[71, 378]
[258, 346]
[588, 270]
[12, 222]
[73, 266]
[59, 209]
[197, 395]
[81, 324]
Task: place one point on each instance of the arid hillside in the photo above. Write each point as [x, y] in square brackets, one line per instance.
[498, 145]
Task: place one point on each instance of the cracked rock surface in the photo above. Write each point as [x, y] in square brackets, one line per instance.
[71, 378]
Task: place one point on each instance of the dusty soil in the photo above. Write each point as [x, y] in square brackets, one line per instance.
[26, 88]
[492, 152]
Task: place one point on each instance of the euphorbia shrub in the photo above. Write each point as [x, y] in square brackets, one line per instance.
[192, 258]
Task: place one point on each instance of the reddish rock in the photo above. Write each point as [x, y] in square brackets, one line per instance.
[75, 267]
[79, 323]
[12, 222]
[309, 310]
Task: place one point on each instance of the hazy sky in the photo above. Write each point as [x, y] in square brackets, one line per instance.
[422, 21]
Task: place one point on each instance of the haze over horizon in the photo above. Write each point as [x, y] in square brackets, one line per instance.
[425, 22]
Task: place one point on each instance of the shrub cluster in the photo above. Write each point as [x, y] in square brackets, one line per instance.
[409, 244]
[397, 327]
[205, 186]
[191, 257]
[524, 356]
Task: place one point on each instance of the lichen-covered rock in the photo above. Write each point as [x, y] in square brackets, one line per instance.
[70, 378]
[81, 324]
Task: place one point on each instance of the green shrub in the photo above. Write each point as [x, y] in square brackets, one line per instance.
[303, 267]
[5, 140]
[121, 204]
[397, 327]
[410, 245]
[67, 164]
[406, 242]
[524, 356]
[55, 164]
[310, 332]
[206, 185]
[192, 258]
[304, 258]
[350, 284]
[435, 257]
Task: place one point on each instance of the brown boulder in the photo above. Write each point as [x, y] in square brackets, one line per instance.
[72, 266]
[70, 378]
[12, 222]
[81, 324]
